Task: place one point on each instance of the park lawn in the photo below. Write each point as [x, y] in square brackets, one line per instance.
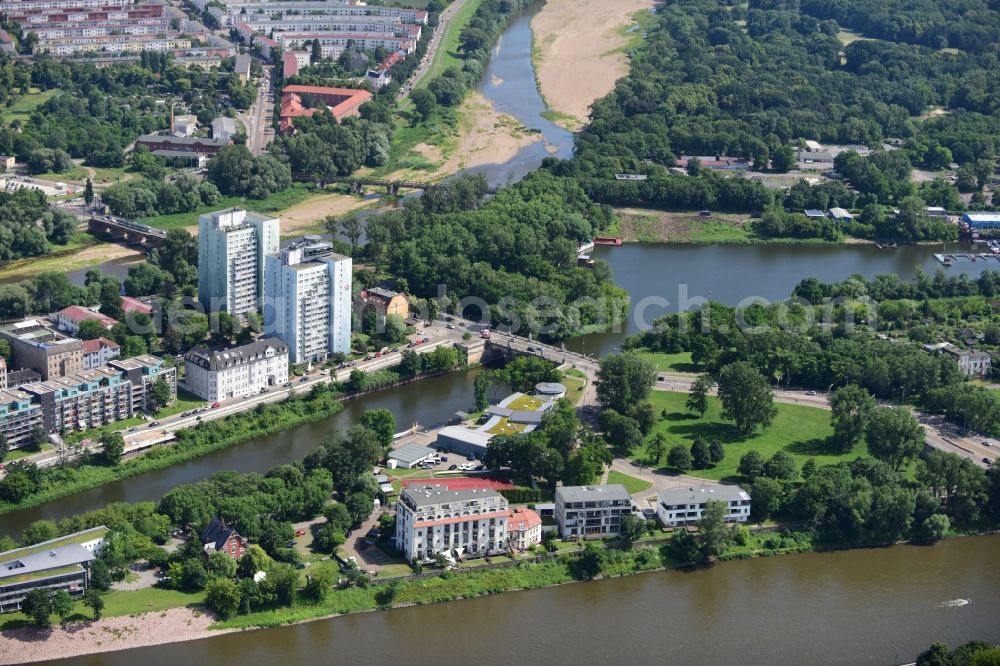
[120, 602]
[632, 484]
[664, 362]
[184, 402]
[799, 430]
[76, 173]
[278, 201]
[575, 382]
[21, 109]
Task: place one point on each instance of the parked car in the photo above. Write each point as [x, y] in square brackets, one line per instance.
[153, 424]
[287, 385]
[304, 379]
[452, 467]
[299, 533]
[810, 392]
[216, 405]
[290, 543]
[374, 533]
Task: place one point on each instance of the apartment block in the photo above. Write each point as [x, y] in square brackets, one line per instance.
[19, 415]
[432, 520]
[98, 352]
[308, 302]
[36, 345]
[591, 512]
[236, 372]
[685, 506]
[232, 245]
[142, 372]
[228, 14]
[82, 400]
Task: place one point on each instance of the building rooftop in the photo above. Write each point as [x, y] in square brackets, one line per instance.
[432, 494]
[521, 520]
[79, 314]
[614, 491]
[379, 292]
[812, 212]
[52, 557]
[94, 346]
[179, 140]
[411, 453]
[130, 304]
[721, 493]
[467, 435]
[550, 388]
[219, 359]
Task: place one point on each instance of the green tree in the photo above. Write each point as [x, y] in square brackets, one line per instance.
[62, 604]
[37, 605]
[632, 529]
[894, 435]
[223, 596]
[716, 452]
[39, 531]
[382, 423]
[850, 407]
[480, 385]
[700, 454]
[88, 192]
[697, 400]
[37, 438]
[783, 159]
[112, 448]
[679, 458]
[767, 497]
[351, 228]
[624, 380]
[746, 397]
[751, 465]
[320, 584]
[92, 599]
[934, 528]
[254, 559]
[91, 329]
[4, 446]
[424, 103]
[781, 466]
[657, 448]
[714, 535]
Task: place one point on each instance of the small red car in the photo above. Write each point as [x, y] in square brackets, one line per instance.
[299, 533]
[216, 405]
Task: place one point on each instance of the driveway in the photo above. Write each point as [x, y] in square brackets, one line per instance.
[660, 479]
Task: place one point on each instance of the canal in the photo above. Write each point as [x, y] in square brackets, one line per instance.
[428, 402]
[877, 607]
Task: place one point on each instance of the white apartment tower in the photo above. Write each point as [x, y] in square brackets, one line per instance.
[308, 303]
[232, 245]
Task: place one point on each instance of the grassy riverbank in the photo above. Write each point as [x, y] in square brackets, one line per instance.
[59, 482]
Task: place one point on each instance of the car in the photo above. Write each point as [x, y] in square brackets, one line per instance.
[452, 467]
[986, 442]
[442, 458]
[395, 349]
[648, 514]
[987, 461]
[449, 319]
[347, 535]
[304, 379]
[286, 385]
[290, 543]
[153, 424]
[810, 392]
[530, 349]
[365, 543]
[299, 533]
[449, 326]
[216, 405]
[133, 429]
[661, 378]
[324, 371]
[480, 467]
[263, 389]
[378, 354]
[374, 533]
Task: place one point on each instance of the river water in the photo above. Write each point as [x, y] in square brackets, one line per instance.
[876, 607]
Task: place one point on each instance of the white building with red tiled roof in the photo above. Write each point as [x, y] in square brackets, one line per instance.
[98, 352]
[69, 319]
[432, 520]
[524, 528]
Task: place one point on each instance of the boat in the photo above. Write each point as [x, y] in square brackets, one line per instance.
[607, 240]
[585, 247]
[885, 246]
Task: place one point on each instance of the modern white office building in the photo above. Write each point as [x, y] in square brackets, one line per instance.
[684, 506]
[432, 519]
[308, 302]
[240, 371]
[232, 245]
[591, 512]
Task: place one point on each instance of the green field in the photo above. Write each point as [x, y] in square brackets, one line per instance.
[184, 402]
[632, 484]
[278, 201]
[575, 382]
[799, 430]
[664, 362]
[118, 603]
[21, 109]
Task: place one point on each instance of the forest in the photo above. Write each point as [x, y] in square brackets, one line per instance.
[716, 78]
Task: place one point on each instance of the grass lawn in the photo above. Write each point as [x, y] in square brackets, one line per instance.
[664, 362]
[21, 109]
[77, 173]
[118, 603]
[632, 484]
[16, 454]
[801, 431]
[525, 402]
[278, 201]
[575, 382]
[184, 402]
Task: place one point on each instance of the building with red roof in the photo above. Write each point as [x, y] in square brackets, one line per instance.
[130, 304]
[69, 319]
[99, 351]
[524, 528]
[341, 102]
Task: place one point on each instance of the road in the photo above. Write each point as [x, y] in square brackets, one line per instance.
[257, 119]
[432, 47]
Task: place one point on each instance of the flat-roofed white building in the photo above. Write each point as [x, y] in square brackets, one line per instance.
[232, 244]
[308, 303]
[684, 506]
[591, 512]
[240, 371]
[432, 519]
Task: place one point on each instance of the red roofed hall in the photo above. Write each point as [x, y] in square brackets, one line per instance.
[341, 102]
[130, 304]
[69, 319]
[524, 528]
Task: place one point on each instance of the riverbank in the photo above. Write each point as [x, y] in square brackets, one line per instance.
[91, 252]
[579, 50]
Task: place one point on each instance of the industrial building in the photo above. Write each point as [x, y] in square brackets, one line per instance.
[307, 301]
[981, 221]
[232, 245]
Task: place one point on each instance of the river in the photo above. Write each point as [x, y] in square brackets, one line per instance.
[876, 607]
[428, 402]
